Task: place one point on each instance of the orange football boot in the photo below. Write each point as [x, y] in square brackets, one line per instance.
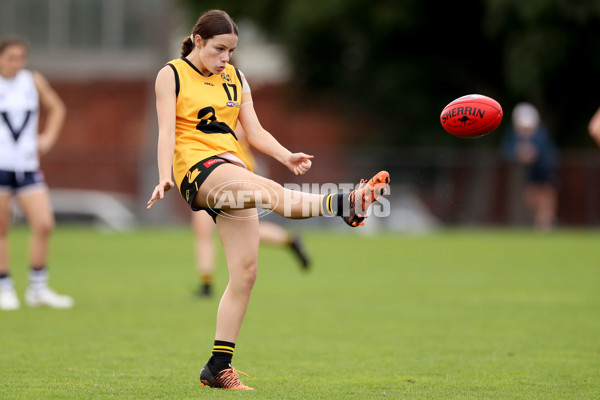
[363, 196]
[226, 379]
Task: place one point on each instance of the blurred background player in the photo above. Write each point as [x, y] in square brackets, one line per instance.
[21, 94]
[528, 144]
[269, 233]
[594, 127]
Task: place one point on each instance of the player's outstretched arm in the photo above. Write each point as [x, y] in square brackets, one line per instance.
[165, 109]
[261, 139]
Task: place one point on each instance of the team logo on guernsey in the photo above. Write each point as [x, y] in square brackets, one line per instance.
[225, 77]
[232, 104]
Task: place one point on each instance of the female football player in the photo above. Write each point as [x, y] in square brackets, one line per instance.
[21, 94]
[200, 98]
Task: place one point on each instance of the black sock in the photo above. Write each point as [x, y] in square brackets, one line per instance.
[333, 204]
[221, 356]
[205, 290]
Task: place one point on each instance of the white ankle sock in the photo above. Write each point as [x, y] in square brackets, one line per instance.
[6, 283]
[38, 279]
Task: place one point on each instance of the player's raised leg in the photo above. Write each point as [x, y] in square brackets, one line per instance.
[232, 187]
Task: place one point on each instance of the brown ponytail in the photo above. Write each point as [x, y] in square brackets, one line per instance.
[211, 23]
[186, 47]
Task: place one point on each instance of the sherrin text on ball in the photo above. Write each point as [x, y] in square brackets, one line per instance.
[471, 116]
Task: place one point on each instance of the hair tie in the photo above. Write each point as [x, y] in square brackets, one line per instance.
[192, 37]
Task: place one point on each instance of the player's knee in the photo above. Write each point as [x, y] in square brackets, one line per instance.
[246, 275]
[43, 227]
[250, 275]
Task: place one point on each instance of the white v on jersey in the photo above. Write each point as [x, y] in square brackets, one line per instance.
[19, 113]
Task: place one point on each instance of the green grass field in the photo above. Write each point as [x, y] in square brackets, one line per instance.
[453, 315]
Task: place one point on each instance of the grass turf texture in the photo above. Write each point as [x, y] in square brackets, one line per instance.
[453, 315]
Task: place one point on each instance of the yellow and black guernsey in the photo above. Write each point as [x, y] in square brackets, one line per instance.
[207, 110]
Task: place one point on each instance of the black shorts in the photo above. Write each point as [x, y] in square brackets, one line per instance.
[194, 179]
[12, 182]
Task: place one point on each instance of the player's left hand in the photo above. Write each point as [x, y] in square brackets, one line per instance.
[299, 163]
